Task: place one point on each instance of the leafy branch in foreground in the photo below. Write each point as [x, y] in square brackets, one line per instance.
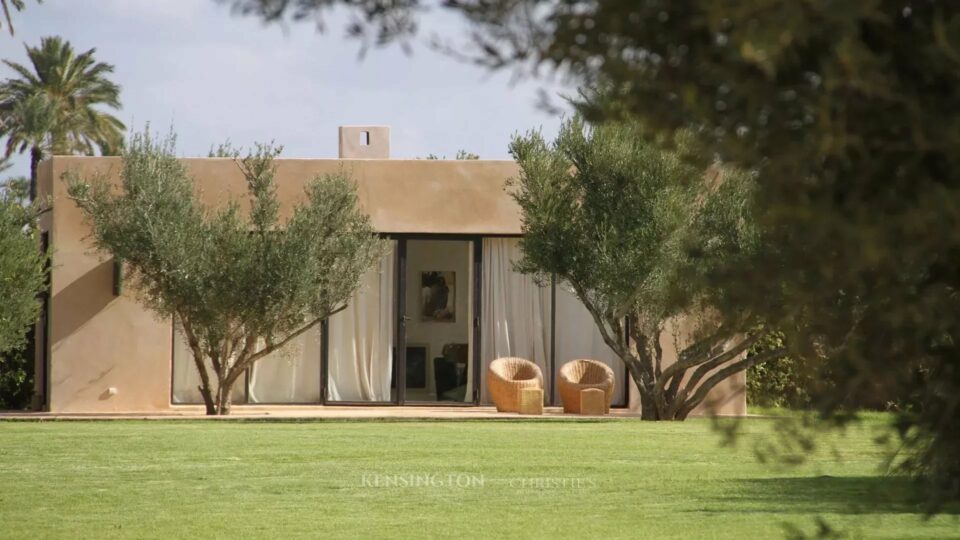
[8, 7]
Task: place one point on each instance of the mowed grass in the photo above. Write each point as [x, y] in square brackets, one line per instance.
[623, 479]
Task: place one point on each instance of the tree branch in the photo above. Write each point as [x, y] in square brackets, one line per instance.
[720, 358]
[691, 356]
[658, 350]
[198, 362]
[711, 364]
[270, 346]
[617, 344]
[241, 365]
[614, 344]
[724, 374]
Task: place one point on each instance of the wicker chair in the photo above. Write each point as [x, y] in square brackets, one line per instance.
[507, 377]
[578, 375]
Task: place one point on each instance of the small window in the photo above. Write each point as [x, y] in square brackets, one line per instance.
[365, 138]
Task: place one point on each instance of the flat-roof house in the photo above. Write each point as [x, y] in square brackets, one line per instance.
[423, 328]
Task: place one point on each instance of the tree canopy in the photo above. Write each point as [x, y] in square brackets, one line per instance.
[638, 233]
[239, 285]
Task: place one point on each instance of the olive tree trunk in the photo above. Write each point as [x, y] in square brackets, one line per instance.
[231, 360]
[673, 392]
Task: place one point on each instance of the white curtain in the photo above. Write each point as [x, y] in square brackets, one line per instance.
[579, 338]
[186, 379]
[515, 319]
[361, 339]
[290, 374]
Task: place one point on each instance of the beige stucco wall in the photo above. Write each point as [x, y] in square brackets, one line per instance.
[408, 196]
[99, 342]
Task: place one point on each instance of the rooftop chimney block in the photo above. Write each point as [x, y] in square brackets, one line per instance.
[364, 142]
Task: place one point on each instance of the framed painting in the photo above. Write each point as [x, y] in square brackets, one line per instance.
[438, 299]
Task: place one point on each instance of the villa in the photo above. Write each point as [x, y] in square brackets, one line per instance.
[422, 329]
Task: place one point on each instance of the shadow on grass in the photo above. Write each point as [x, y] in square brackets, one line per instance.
[832, 495]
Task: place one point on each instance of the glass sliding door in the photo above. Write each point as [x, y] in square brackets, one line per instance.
[287, 375]
[516, 312]
[517, 317]
[577, 336]
[360, 339]
[290, 374]
[437, 321]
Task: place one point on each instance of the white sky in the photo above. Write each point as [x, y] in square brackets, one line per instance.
[215, 76]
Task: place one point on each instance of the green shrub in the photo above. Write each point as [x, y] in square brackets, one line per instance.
[812, 384]
[778, 385]
[16, 384]
[784, 383]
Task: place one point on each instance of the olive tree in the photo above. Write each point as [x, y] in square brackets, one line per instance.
[635, 231]
[239, 285]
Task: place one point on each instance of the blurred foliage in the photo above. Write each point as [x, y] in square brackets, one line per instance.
[8, 7]
[804, 384]
[374, 22]
[848, 110]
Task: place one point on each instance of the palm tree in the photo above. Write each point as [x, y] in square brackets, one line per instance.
[51, 109]
[31, 121]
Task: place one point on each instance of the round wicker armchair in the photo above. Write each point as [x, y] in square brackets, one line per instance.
[507, 377]
[578, 375]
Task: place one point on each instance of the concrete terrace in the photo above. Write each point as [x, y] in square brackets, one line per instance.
[329, 412]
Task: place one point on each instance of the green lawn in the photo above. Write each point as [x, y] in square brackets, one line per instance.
[622, 479]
